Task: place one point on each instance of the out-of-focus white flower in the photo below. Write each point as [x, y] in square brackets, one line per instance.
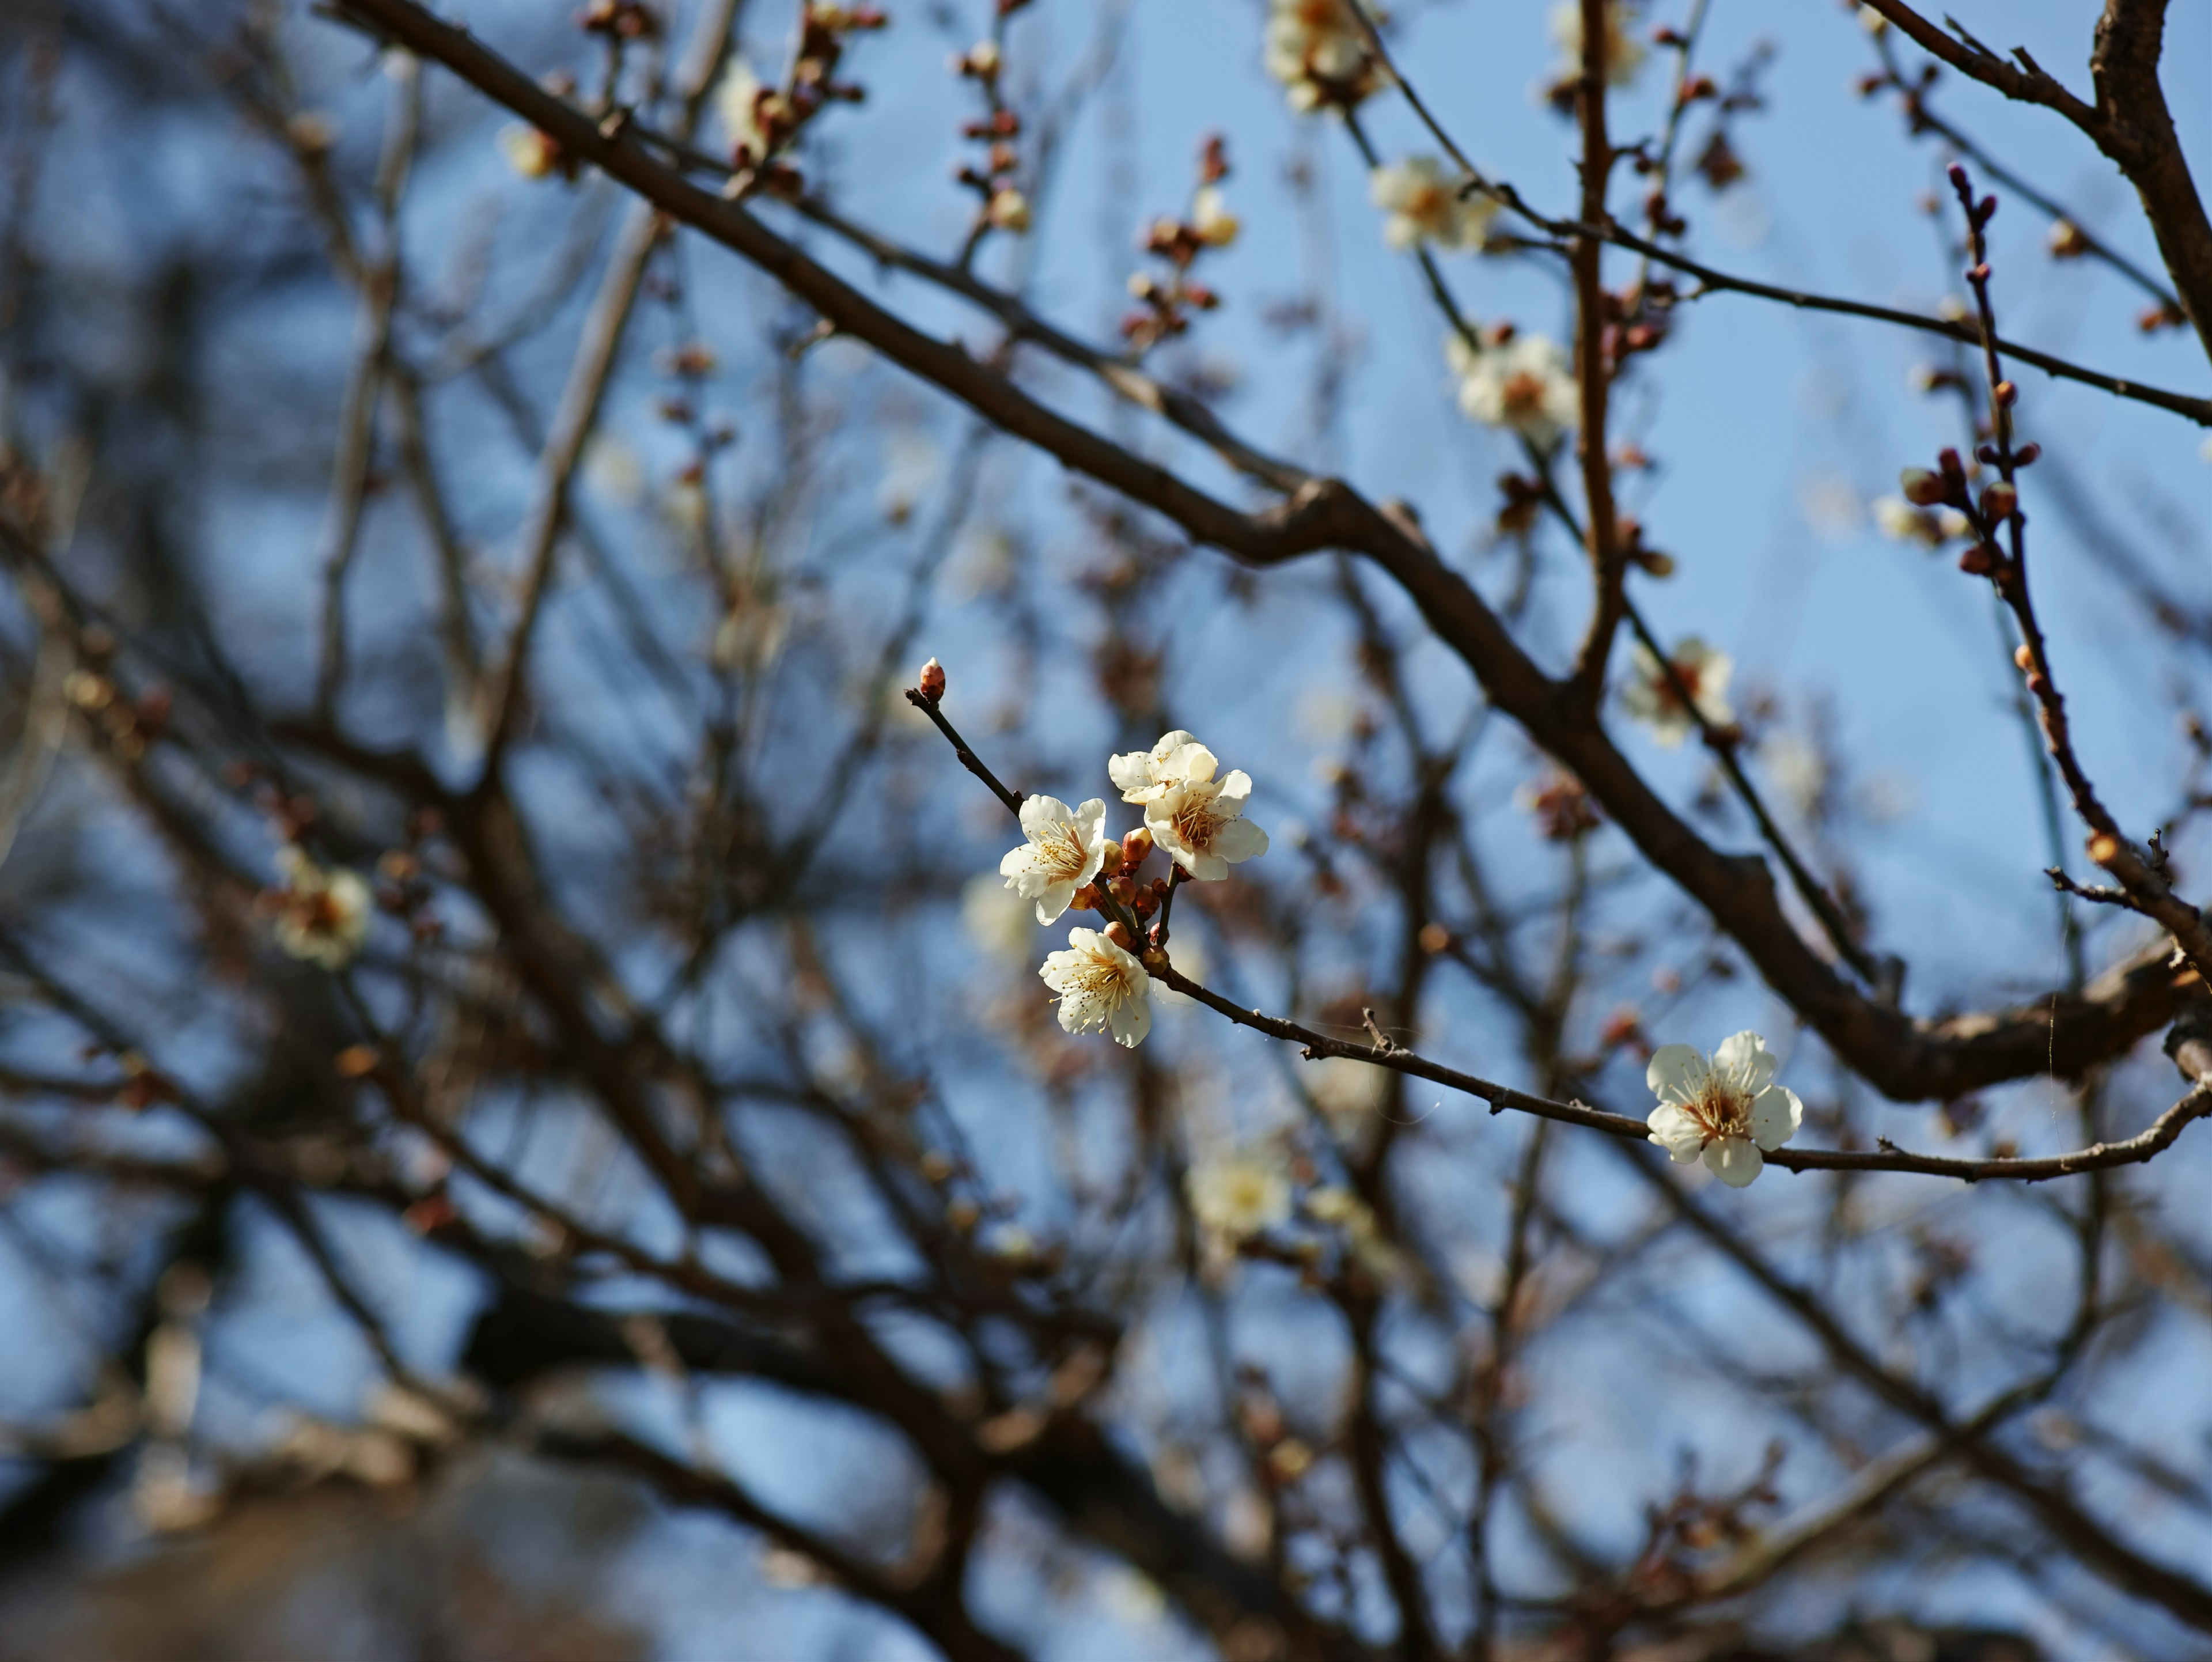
[1211, 218]
[1901, 521]
[1525, 385]
[1872, 20]
[1795, 765]
[1318, 50]
[1198, 820]
[531, 154]
[1651, 698]
[1423, 205]
[1726, 1110]
[1238, 1195]
[1009, 209]
[322, 915]
[611, 467]
[1063, 850]
[998, 922]
[1624, 52]
[738, 101]
[1101, 989]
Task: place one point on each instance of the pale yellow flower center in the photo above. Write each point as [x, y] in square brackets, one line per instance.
[1428, 203]
[1061, 853]
[1196, 824]
[1719, 1110]
[1523, 393]
[1094, 980]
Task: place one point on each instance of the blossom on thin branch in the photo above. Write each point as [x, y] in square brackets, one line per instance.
[1624, 52]
[1102, 987]
[1652, 696]
[1318, 50]
[1725, 1110]
[322, 913]
[1063, 849]
[1197, 818]
[1524, 383]
[1424, 206]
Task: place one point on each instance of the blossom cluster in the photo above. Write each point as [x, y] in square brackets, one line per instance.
[1193, 812]
[1319, 50]
[1520, 382]
[1165, 303]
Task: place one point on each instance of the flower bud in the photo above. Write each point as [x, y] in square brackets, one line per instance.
[2006, 394]
[2023, 657]
[1085, 900]
[1978, 562]
[1122, 887]
[1998, 502]
[1954, 470]
[1922, 488]
[2026, 455]
[1145, 903]
[1118, 933]
[1109, 860]
[933, 680]
[1136, 846]
[2104, 848]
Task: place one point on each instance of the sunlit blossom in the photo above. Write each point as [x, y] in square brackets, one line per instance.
[322, 913]
[738, 101]
[1318, 50]
[1210, 218]
[1525, 385]
[1651, 696]
[1198, 820]
[1062, 849]
[1101, 988]
[1425, 205]
[1725, 1110]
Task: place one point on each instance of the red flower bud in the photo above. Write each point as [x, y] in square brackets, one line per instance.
[1922, 488]
[1136, 846]
[933, 680]
[1998, 502]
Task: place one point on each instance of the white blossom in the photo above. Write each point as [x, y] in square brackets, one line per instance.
[738, 101]
[1063, 848]
[1725, 1110]
[1239, 1194]
[1424, 205]
[1198, 820]
[1901, 521]
[1101, 988]
[1318, 49]
[1624, 52]
[531, 154]
[1525, 384]
[322, 915]
[1651, 698]
[1210, 218]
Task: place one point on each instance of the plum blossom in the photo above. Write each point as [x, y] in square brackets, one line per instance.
[1624, 52]
[1725, 1110]
[737, 100]
[1318, 50]
[1197, 818]
[1063, 850]
[1102, 987]
[1651, 698]
[1237, 1196]
[1423, 205]
[322, 915]
[1901, 521]
[1524, 384]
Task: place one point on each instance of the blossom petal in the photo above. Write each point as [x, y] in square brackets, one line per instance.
[1745, 1061]
[1677, 1072]
[1206, 867]
[1735, 1160]
[1776, 1114]
[1190, 762]
[1132, 1020]
[1676, 1132]
[1235, 791]
[1054, 901]
[1239, 840]
[1041, 814]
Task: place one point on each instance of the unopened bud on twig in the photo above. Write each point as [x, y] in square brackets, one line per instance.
[1922, 488]
[1977, 561]
[2006, 394]
[933, 680]
[1118, 933]
[2023, 657]
[1998, 502]
[2026, 456]
[2104, 848]
[1954, 469]
[1136, 846]
[1085, 900]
